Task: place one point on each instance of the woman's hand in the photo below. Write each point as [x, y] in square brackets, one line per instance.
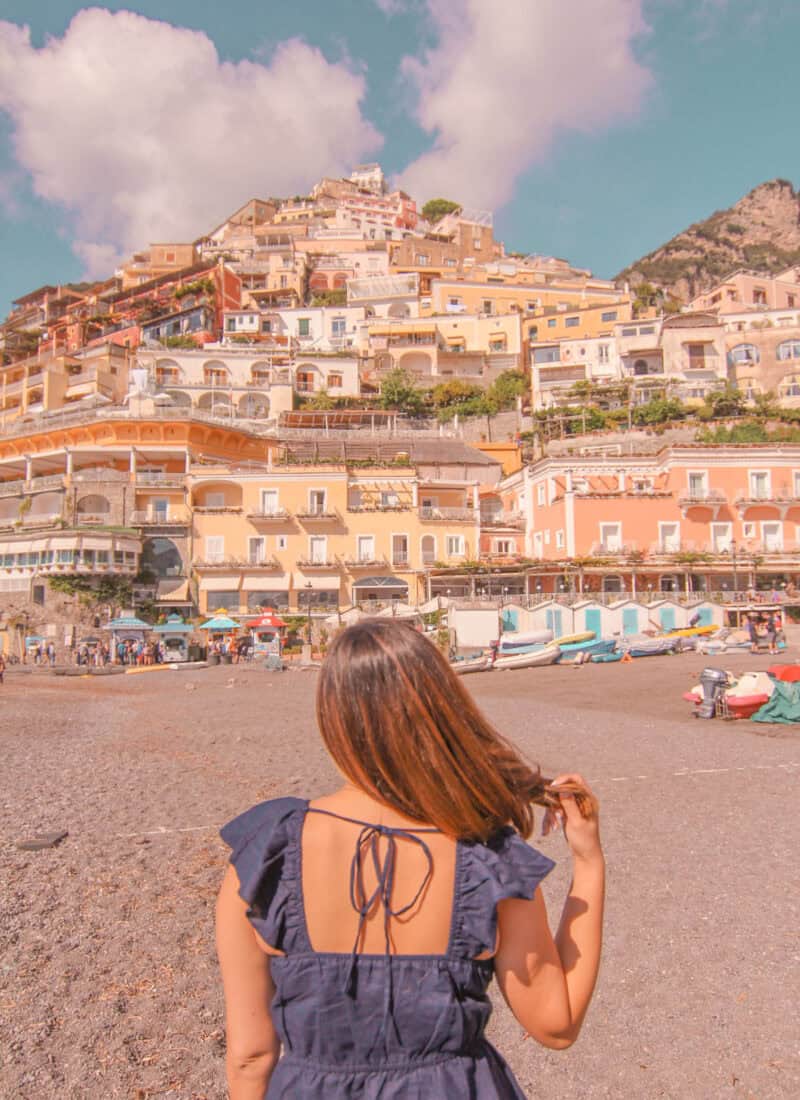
[581, 825]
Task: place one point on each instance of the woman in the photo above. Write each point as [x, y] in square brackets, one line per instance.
[360, 930]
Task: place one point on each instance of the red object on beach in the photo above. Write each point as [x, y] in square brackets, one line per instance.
[267, 619]
[790, 674]
[743, 706]
[692, 697]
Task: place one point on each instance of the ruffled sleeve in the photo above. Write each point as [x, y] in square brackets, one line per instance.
[264, 850]
[504, 867]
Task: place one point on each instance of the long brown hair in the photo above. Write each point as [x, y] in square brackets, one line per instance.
[400, 725]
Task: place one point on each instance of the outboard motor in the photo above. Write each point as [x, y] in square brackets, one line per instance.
[713, 682]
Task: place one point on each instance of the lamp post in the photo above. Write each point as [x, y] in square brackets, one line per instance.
[308, 589]
[733, 563]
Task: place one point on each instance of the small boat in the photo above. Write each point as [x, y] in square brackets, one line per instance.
[481, 663]
[589, 648]
[745, 706]
[525, 638]
[573, 639]
[606, 658]
[531, 647]
[691, 631]
[546, 656]
[650, 647]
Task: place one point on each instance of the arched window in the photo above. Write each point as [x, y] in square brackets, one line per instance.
[92, 505]
[744, 353]
[160, 558]
[790, 386]
[612, 583]
[428, 548]
[789, 349]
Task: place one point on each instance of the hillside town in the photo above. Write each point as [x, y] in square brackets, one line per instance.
[228, 424]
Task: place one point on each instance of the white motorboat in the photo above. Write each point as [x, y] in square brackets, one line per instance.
[547, 656]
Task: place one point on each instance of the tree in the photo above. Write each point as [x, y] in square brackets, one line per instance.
[436, 209]
[659, 410]
[728, 401]
[456, 392]
[507, 387]
[399, 391]
[320, 401]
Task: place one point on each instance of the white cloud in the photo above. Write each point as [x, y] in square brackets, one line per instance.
[505, 78]
[140, 133]
[391, 7]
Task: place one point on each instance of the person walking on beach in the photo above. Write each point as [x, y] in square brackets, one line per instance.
[2, 667]
[772, 633]
[752, 632]
[358, 931]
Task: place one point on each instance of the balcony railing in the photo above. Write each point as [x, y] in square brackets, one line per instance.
[354, 564]
[504, 519]
[322, 515]
[448, 515]
[90, 519]
[700, 497]
[12, 488]
[161, 517]
[400, 561]
[211, 509]
[160, 480]
[308, 565]
[273, 515]
[613, 549]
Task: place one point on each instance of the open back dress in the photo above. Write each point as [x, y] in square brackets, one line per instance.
[357, 1026]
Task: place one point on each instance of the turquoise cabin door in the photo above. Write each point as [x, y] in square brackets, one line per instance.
[705, 617]
[630, 620]
[510, 619]
[592, 620]
[554, 621]
[667, 617]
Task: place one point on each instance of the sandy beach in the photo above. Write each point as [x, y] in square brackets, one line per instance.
[108, 978]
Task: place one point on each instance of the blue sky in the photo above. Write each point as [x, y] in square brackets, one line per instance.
[595, 129]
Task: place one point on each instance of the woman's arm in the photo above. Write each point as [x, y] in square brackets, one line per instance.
[548, 982]
[252, 1044]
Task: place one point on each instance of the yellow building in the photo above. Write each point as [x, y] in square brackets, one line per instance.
[324, 536]
[488, 295]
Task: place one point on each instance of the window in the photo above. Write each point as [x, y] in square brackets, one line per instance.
[789, 349]
[629, 332]
[759, 485]
[454, 545]
[721, 534]
[540, 494]
[504, 547]
[547, 355]
[217, 601]
[790, 301]
[318, 549]
[284, 282]
[647, 330]
[304, 326]
[38, 594]
[266, 326]
[230, 324]
[454, 303]
[269, 501]
[609, 315]
[487, 306]
[611, 536]
[214, 500]
[335, 381]
[281, 542]
[759, 296]
[169, 257]
[552, 322]
[572, 322]
[559, 540]
[421, 259]
[366, 548]
[354, 500]
[399, 549]
[537, 544]
[256, 550]
[669, 540]
[102, 557]
[338, 326]
[215, 548]
[389, 499]
[744, 353]
[748, 530]
[698, 485]
[772, 536]
[64, 557]
[602, 353]
[317, 501]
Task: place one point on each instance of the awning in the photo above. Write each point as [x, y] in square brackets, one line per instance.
[63, 542]
[173, 588]
[380, 582]
[267, 583]
[95, 542]
[220, 584]
[127, 622]
[18, 547]
[320, 584]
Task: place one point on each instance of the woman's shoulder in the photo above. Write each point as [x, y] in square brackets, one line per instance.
[260, 821]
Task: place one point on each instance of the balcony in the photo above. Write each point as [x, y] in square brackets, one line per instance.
[782, 499]
[514, 520]
[705, 498]
[400, 561]
[170, 517]
[448, 515]
[218, 510]
[12, 488]
[614, 549]
[274, 515]
[307, 565]
[318, 515]
[370, 564]
[93, 519]
[160, 480]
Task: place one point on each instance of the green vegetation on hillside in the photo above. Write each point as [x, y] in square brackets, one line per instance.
[435, 209]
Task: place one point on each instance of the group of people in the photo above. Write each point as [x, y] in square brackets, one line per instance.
[140, 653]
[42, 653]
[766, 626]
[239, 649]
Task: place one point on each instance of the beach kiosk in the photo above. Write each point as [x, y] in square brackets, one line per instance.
[174, 636]
[266, 634]
[221, 629]
[124, 629]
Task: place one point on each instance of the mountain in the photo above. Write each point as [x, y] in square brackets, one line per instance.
[760, 232]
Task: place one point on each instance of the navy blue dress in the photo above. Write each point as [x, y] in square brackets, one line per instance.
[380, 1027]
